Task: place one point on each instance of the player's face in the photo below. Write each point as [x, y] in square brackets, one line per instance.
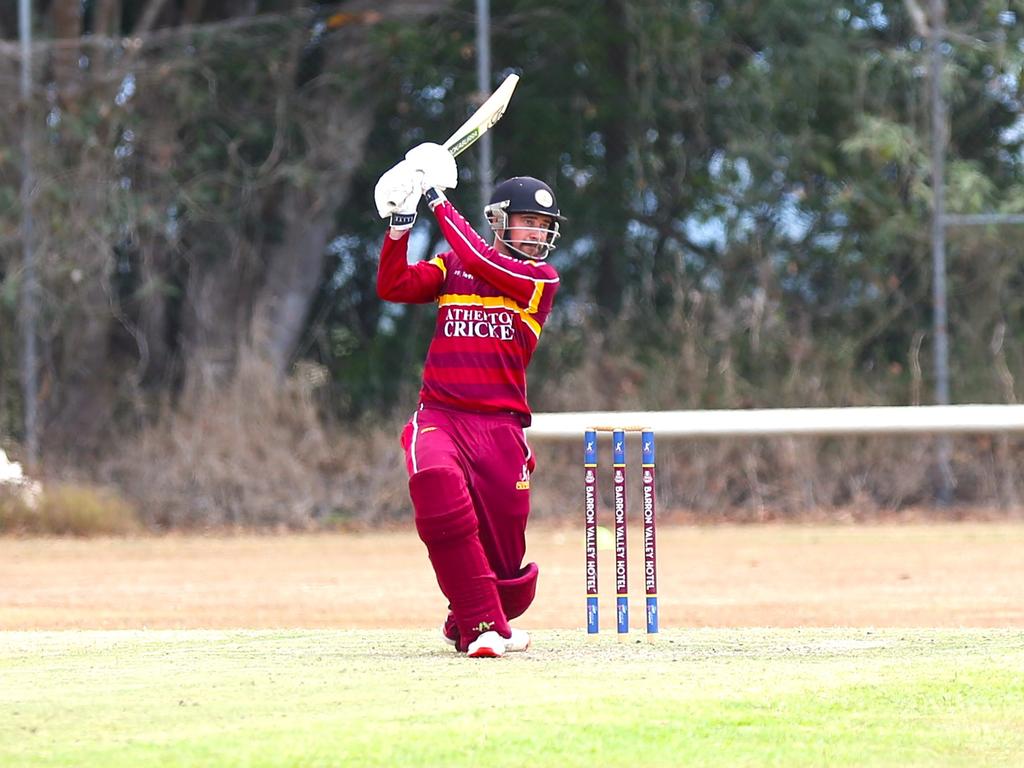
[527, 231]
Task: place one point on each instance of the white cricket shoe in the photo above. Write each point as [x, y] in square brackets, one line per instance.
[519, 641]
[490, 645]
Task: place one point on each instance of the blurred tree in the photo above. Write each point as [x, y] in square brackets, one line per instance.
[190, 180]
[746, 186]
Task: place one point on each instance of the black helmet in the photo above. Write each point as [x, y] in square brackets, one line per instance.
[524, 194]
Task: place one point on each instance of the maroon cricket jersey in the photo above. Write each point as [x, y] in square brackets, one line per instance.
[491, 309]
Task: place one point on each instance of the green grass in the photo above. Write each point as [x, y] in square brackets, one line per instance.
[751, 697]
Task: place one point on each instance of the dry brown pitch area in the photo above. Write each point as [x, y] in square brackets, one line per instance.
[962, 574]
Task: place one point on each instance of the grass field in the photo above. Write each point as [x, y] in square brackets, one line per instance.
[781, 646]
[794, 697]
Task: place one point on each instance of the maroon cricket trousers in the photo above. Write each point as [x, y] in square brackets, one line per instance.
[469, 480]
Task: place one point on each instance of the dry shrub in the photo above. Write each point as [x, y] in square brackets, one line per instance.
[256, 455]
[747, 479]
[68, 509]
[14, 510]
[371, 468]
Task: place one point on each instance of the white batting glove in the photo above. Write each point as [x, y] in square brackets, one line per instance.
[436, 165]
[397, 194]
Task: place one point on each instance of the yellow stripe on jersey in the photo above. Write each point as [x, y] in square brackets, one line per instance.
[534, 304]
[437, 261]
[491, 302]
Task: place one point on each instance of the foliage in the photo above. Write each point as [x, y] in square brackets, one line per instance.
[762, 175]
[747, 186]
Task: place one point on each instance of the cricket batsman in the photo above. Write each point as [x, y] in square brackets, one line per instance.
[468, 460]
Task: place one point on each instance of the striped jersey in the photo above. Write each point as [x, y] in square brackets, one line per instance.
[491, 309]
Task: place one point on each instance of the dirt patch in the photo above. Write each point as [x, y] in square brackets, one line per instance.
[952, 575]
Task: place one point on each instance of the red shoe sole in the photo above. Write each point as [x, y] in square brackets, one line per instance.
[484, 653]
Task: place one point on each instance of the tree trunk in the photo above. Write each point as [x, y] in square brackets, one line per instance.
[193, 11]
[613, 262]
[295, 267]
[219, 291]
[66, 18]
[155, 324]
[107, 18]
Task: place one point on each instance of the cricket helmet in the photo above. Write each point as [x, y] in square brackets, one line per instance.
[524, 194]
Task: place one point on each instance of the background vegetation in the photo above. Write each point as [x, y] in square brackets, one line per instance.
[747, 185]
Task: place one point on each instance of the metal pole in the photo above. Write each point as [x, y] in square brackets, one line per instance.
[483, 79]
[939, 320]
[29, 292]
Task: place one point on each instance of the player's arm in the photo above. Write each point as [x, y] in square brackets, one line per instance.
[398, 280]
[522, 281]
[396, 195]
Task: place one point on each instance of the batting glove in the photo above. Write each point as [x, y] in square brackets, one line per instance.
[436, 165]
[397, 194]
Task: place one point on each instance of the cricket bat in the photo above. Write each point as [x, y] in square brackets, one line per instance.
[479, 122]
[483, 119]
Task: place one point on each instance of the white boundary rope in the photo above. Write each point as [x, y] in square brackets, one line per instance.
[880, 420]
